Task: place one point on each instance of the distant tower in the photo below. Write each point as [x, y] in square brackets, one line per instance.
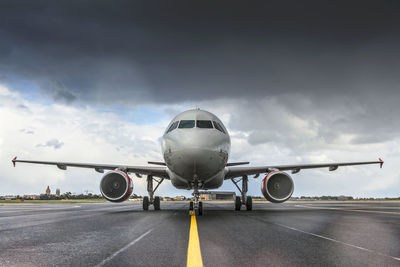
[58, 192]
[48, 191]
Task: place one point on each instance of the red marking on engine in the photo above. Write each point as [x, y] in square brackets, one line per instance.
[264, 181]
[130, 185]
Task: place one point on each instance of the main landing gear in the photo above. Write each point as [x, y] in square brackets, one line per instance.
[151, 200]
[244, 199]
[196, 205]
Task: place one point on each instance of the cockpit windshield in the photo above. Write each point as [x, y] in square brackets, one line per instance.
[203, 124]
[173, 126]
[219, 127]
[186, 124]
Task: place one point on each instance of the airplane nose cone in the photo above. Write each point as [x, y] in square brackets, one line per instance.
[196, 152]
[202, 162]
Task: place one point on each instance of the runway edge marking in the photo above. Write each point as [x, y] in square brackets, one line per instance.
[337, 241]
[348, 209]
[194, 252]
[123, 249]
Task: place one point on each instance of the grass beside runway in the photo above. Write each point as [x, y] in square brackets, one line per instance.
[53, 201]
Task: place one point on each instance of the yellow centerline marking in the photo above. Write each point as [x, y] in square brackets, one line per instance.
[194, 252]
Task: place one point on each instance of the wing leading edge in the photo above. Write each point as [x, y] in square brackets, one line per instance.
[232, 172]
[138, 170]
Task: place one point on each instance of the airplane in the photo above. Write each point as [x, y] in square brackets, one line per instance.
[195, 148]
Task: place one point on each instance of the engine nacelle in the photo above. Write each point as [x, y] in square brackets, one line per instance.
[277, 186]
[116, 186]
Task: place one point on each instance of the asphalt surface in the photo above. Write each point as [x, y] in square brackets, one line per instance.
[288, 234]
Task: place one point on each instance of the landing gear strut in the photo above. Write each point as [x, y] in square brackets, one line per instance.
[151, 200]
[244, 199]
[196, 204]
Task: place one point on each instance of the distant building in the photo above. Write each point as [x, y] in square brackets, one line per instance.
[58, 192]
[48, 191]
[217, 195]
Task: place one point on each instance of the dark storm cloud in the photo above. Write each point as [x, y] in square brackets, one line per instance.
[330, 67]
[308, 121]
[60, 93]
[163, 51]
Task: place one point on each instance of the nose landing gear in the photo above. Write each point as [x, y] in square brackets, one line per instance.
[151, 200]
[196, 205]
[244, 199]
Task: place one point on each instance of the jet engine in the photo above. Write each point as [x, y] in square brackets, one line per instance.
[277, 186]
[116, 186]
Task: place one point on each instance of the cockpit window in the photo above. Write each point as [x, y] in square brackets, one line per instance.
[203, 124]
[219, 127]
[173, 126]
[186, 124]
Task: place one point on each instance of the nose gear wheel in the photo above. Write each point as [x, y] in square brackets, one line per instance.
[197, 205]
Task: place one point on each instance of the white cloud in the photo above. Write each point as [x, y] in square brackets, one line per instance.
[84, 134]
[66, 133]
[56, 144]
[265, 132]
[5, 92]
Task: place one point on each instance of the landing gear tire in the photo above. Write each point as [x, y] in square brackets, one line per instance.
[156, 203]
[191, 205]
[200, 209]
[145, 203]
[238, 203]
[249, 203]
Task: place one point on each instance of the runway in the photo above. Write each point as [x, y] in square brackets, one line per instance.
[288, 234]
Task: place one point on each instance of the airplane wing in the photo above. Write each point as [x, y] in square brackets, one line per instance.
[138, 170]
[232, 172]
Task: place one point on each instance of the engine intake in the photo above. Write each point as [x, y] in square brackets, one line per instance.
[116, 186]
[277, 186]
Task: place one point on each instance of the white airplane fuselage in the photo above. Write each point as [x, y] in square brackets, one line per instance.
[196, 150]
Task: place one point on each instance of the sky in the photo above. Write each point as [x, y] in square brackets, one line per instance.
[95, 81]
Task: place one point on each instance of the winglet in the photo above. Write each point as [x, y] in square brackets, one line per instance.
[13, 161]
[381, 162]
